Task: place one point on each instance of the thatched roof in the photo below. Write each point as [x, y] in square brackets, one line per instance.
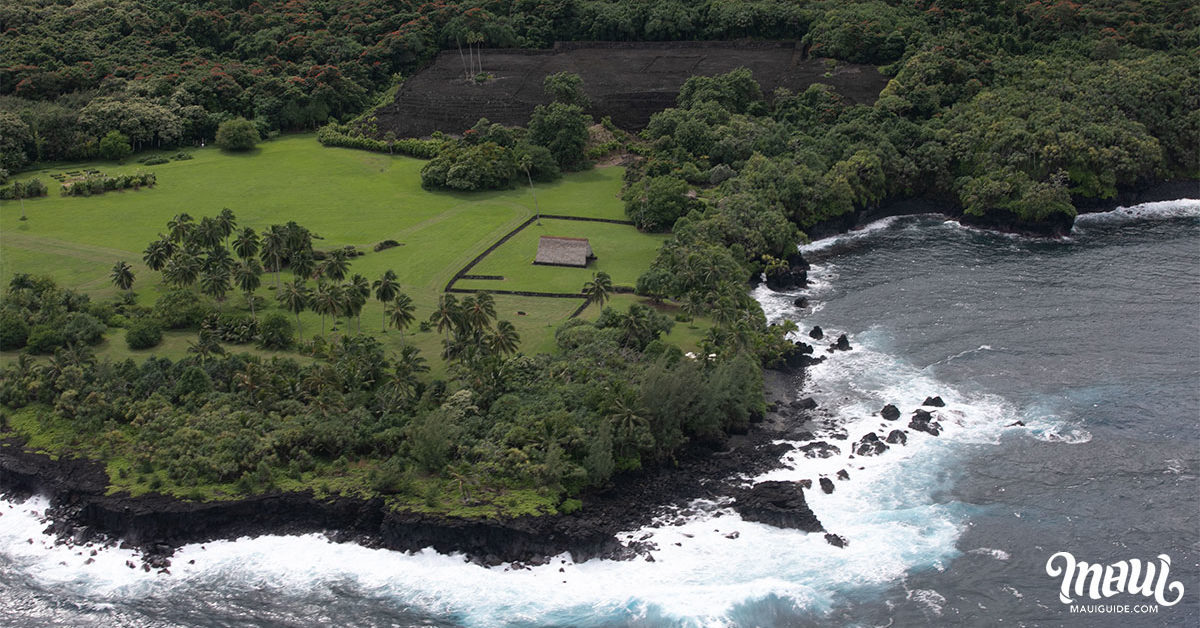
[556, 251]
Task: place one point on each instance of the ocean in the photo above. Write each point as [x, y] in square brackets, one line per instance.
[1070, 370]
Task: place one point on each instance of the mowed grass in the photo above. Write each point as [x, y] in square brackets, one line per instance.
[345, 197]
[620, 251]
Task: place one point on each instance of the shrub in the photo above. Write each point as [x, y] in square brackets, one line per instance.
[45, 338]
[181, 309]
[144, 333]
[343, 136]
[231, 327]
[275, 331]
[14, 331]
[386, 244]
[238, 134]
[563, 129]
[83, 328]
[181, 156]
[154, 161]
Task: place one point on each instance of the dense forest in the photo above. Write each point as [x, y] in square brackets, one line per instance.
[1015, 111]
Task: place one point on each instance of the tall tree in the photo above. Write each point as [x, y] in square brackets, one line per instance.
[214, 282]
[122, 276]
[505, 339]
[182, 269]
[327, 301]
[295, 297]
[598, 289]
[446, 316]
[158, 252]
[358, 292]
[245, 245]
[386, 289]
[399, 313]
[274, 248]
[226, 223]
[248, 277]
[180, 228]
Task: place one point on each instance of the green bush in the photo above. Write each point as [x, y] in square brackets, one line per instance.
[14, 331]
[144, 333]
[154, 161]
[181, 309]
[83, 328]
[343, 136]
[45, 338]
[114, 146]
[276, 332]
[238, 134]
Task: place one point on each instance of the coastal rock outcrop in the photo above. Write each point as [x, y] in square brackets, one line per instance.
[922, 421]
[820, 449]
[890, 412]
[779, 504]
[817, 333]
[896, 437]
[826, 485]
[934, 402]
[870, 445]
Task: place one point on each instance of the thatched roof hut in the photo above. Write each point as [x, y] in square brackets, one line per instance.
[555, 251]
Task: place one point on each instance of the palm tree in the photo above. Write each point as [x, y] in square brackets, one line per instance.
[158, 252]
[598, 289]
[208, 233]
[693, 306]
[335, 266]
[386, 289]
[182, 269]
[215, 283]
[357, 294]
[626, 421]
[478, 311]
[505, 339]
[302, 264]
[180, 228]
[248, 277]
[446, 315]
[400, 313]
[526, 164]
[226, 223]
[122, 276]
[273, 250]
[327, 301]
[245, 245]
[295, 297]
[218, 258]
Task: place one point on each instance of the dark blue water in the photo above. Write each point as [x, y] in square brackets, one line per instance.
[1093, 342]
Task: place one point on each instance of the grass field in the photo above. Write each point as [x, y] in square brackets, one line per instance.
[346, 197]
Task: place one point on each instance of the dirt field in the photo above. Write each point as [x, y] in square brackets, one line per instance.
[627, 81]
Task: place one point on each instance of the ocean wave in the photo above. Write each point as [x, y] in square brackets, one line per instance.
[1159, 210]
[824, 244]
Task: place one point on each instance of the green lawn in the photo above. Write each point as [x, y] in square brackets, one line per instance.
[621, 251]
[346, 197]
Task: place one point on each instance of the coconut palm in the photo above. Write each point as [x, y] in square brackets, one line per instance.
[182, 269]
[295, 298]
[180, 228]
[478, 311]
[208, 233]
[326, 301]
[122, 276]
[598, 289]
[627, 422]
[526, 164]
[505, 339]
[273, 249]
[335, 266]
[303, 265]
[386, 289]
[358, 292]
[214, 282]
[226, 222]
[446, 315]
[248, 276]
[399, 313]
[158, 252]
[245, 245]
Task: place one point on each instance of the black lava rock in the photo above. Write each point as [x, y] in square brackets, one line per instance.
[817, 333]
[780, 504]
[820, 449]
[922, 421]
[806, 403]
[890, 412]
[842, 344]
[870, 445]
[800, 302]
[897, 437]
[935, 402]
[843, 474]
[836, 541]
[826, 485]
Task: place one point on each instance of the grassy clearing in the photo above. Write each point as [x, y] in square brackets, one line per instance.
[620, 250]
[345, 197]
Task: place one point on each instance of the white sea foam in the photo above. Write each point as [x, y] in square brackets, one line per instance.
[827, 243]
[1179, 208]
[998, 554]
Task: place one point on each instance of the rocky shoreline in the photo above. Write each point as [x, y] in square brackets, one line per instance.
[156, 525]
